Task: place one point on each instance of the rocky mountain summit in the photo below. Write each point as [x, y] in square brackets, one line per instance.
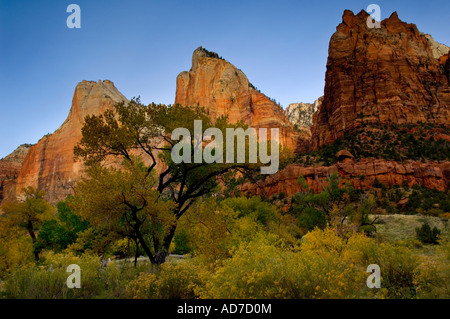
[223, 89]
[11, 164]
[49, 165]
[386, 75]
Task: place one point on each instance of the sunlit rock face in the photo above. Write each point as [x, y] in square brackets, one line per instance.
[222, 89]
[384, 75]
[49, 165]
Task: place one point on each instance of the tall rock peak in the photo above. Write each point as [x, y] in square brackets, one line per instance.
[223, 89]
[198, 53]
[49, 165]
[90, 97]
[380, 75]
[394, 16]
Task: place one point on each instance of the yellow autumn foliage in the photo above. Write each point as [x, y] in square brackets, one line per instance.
[16, 248]
[432, 277]
[265, 268]
[324, 266]
[171, 281]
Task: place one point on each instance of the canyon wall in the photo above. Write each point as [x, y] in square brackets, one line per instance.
[385, 75]
[361, 174]
[49, 164]
[301, 114]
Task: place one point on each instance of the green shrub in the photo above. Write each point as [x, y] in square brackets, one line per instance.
[182, 242]
[60, 232]
[409, 141]
[427, 235]
[262, 211]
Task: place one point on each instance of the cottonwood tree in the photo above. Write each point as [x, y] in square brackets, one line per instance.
[124, 201]
[145, 196]
[30, 213]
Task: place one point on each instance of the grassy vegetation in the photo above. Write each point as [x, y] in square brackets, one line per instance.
[397, 228]
[47, 280]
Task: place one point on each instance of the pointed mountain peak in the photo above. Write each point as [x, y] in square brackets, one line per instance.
[92, 97]
[394, 16]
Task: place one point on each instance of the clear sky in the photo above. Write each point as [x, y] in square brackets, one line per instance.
[141, 46]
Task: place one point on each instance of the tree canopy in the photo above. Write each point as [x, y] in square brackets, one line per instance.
[143, 196]
[30, 213]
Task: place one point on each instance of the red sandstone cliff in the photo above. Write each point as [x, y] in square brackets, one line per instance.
[49, 165]
[379, 75]
[431, 175]
[9, 169]
[223, 89]
[11, 164]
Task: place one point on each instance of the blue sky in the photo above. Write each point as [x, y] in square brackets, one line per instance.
[141, 46]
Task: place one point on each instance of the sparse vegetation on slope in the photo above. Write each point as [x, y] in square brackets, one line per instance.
[390, 142]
